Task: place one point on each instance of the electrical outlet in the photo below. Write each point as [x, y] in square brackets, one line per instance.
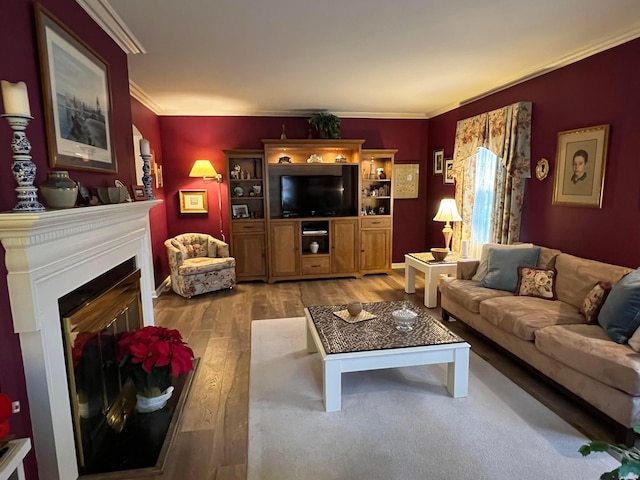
[15, 407]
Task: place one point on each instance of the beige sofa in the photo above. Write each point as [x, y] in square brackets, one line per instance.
[552, 335]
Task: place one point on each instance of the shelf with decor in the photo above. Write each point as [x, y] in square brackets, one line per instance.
[376, 210]
[246, 193]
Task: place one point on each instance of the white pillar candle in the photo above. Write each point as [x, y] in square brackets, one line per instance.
[464, 249]
[145, 148]
[15, 98]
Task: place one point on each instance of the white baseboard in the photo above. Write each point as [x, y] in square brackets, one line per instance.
[397, 266]
[165, 285]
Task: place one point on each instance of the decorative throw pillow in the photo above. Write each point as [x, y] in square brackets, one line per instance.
[536, 282]
[594, 300]
[620, 314]
[503, 266]
[484, 257]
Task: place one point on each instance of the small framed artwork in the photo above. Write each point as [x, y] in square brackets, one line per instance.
[406, 178]
[438, 160]
[581, 158]
[193, 201]
[447, 174]
[239, 211]
[158, 176]
[77, 99]
[139, 193]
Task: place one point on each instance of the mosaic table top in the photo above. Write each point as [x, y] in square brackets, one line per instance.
[428, 258]
[379, 333]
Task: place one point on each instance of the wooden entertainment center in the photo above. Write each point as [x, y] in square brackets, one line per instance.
[330, 234]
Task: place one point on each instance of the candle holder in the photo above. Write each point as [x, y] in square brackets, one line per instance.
[23, 169]
[146, 176]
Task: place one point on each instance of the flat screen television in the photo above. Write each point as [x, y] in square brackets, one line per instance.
[315, 196]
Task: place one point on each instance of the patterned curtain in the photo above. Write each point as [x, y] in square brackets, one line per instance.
[507, 133]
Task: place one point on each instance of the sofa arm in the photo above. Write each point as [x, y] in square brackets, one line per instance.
[176, 252]
[218, 248]
[467, 268]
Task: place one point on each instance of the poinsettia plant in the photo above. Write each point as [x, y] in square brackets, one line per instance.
[152, 356]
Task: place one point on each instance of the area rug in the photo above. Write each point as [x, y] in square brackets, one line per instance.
[398, 423]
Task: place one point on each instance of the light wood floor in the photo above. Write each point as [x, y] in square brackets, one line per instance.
[212, 438]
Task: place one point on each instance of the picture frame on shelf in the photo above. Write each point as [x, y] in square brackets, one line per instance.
[581, 160]
[193, 201]
[77, 99]
[447, 174]
[240, 211]
[438, 161]
[139, 193]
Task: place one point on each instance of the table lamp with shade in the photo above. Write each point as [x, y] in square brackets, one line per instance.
[448, 212]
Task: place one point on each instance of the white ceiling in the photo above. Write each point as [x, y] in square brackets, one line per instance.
[354, 58]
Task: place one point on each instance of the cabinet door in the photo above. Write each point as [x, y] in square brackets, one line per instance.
[285, 249]
[376, 250]
[249, 252]
[344, 234]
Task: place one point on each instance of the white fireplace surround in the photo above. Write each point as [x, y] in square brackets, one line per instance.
[48, 255]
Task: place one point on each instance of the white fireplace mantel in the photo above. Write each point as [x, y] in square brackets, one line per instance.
[49, 254]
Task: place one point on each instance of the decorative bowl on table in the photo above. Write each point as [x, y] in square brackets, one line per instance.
[404, 319]
[439, 254]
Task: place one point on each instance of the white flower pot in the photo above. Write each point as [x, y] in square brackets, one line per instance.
[146, 404]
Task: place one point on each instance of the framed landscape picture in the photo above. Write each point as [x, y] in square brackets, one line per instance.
[193, 201]
[581, 158]
[77, 99]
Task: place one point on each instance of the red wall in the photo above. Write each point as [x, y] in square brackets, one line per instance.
[19, 61]
[186, 139]
[602, 89]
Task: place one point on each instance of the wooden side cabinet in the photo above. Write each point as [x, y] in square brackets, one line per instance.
[249, 250]
[247, 201]
[344, 235]
[284, 236]
[375, 254]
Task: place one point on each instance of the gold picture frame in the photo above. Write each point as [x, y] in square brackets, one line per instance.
[193, 201]
[406, 180]
[581, 160]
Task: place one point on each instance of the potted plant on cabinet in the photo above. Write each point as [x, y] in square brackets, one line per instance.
[326, 124]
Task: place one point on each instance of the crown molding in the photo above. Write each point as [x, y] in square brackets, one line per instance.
[105, 16]
[136, 92]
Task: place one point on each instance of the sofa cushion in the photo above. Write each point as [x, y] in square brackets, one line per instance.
[503, 266]
[594, 300]
[536, 282]
[197, 265]
[576, 276]
[620, 314]
[483, 268]
[547, 257]
[468, 293]
[588, 349]
[522, 316]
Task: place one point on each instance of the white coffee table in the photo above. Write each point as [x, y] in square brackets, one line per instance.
[346, 347]
[421, 262]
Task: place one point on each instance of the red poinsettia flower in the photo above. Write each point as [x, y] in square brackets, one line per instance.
[155, 354]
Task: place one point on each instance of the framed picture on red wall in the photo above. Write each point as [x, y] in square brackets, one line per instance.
[581, 160]
[77, 99]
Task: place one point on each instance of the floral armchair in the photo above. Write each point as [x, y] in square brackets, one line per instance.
[199, 264]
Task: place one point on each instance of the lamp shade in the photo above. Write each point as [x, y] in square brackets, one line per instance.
[448, 212]
[204, 169]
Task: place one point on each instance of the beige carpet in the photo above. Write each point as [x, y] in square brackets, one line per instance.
[398, 423]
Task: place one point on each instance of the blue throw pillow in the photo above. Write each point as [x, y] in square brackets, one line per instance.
[620, 314]
[503, 266]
